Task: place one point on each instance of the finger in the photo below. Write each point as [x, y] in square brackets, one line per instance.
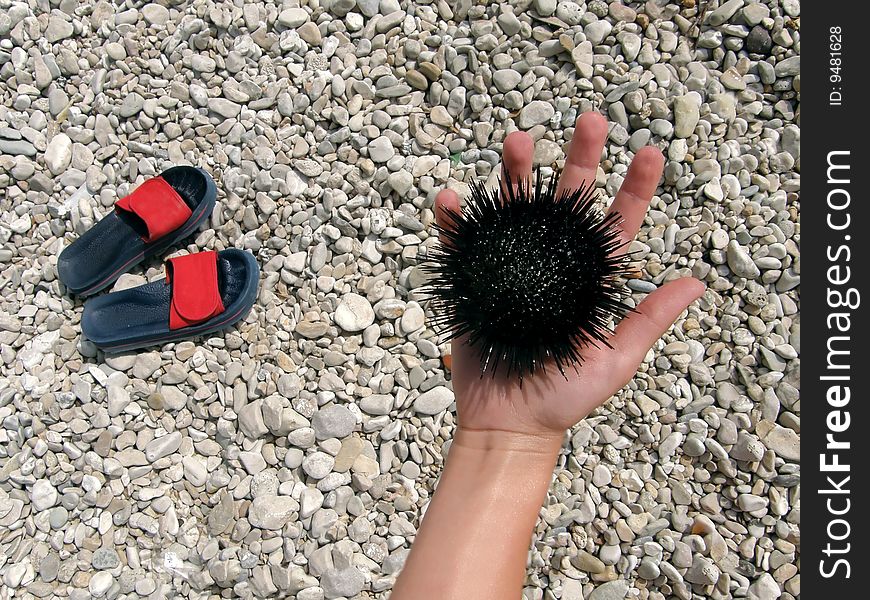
[584, 151]
[637, 190]
[516, 160]
[445, 202]
[639, 330]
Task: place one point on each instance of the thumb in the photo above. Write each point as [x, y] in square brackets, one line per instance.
[639, 330]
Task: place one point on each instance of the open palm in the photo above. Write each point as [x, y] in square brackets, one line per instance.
[547, 403]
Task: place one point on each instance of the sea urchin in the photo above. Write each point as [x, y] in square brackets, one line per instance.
[529, 275]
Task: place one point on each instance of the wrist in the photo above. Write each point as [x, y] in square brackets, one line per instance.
[498, 441]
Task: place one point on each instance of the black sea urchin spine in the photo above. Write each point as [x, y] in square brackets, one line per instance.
[528, 275]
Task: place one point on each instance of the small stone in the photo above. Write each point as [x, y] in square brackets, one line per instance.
[535, 113]
[163, 446]
[221, 516]
[117, 400]
[401, 181]
[225, 108]
[318, 465]
[342, 583]
[612, 590]
[754, 13]
[58, 517]
[58, 154]
[724, 13]
[546, 152]
[413, 318]
[100, 584]
[788, 67]
[310, 33]
[354, 313]
[784, 442]
[333, 421]
[43, 495]
[416, 79]
[545, 8]
[732, 80]
[764, 588]
[588, 563]
[377, 404]
[17, 148]
[759, 41]
[49, 567]
[434, 401]
[597, 31]
[155, 14]
[381, 149]
[751, 502]
[630, 45]
[702, 571]
[686, 114]
[570, 13]
[292, 17]
[251, 420]
[739, 261]
[272, 512]
[648, 569]
[506, 79]
[105, 559]
[58, 29]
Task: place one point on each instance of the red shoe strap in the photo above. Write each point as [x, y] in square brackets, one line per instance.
[195, 294]
[158, 205]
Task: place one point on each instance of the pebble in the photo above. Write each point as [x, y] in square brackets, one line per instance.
[100, 584]
[413, 318]
[702, 571]
[759, 41]
[333, 421]
[17, 148]
[686, 114]
[764, 588]
[784, 442]
[292, 17]
[43, 495]
[105, 559]
[535, 113]
[58, 517]
[155, 14]
[58, 154]
[433, 401]
[381, 149]
[354, 313]
[272, 512]
[612, 590]
[740, 262]
[506, 79]
[597, 31]
[588, 563]
[342, 583]
[58, 29]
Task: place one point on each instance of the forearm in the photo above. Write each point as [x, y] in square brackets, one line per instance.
[475, 535]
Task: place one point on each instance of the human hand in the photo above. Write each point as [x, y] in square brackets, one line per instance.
[495, 407]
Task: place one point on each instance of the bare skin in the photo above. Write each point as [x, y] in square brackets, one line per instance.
[474, 538]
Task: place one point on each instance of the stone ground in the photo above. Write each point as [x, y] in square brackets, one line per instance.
[293, 454]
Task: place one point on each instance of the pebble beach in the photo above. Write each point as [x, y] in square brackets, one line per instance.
[293, 455]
